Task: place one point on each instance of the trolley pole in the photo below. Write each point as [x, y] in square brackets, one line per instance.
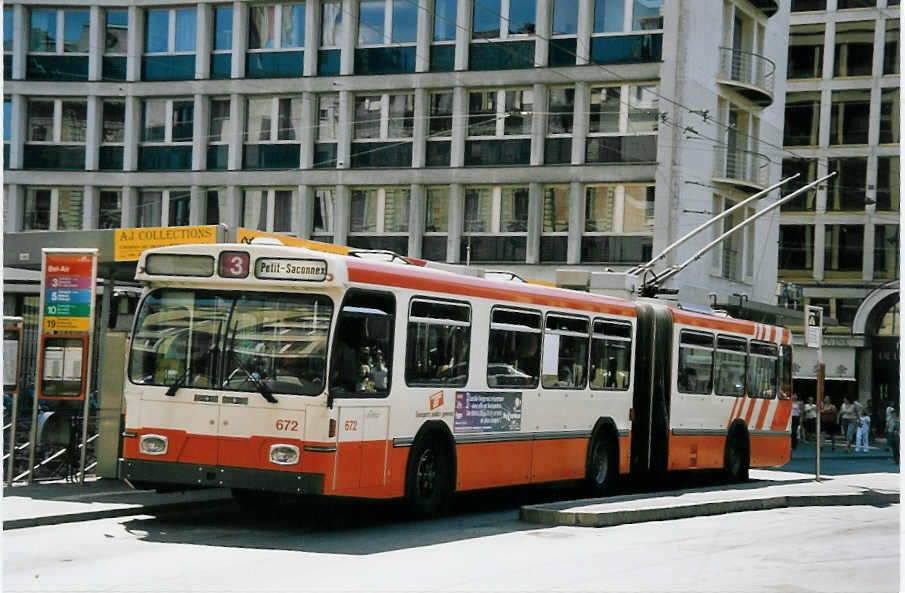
[813, 321]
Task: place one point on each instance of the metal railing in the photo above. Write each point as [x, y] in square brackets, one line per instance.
[742, 165]
[747, 68]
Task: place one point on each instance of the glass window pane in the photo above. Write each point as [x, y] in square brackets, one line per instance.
[331, 23]
[42, 33]
[363, 217]
[396, 210]
[186, 30]
[293, 26]
[514, 210]
[327, 117]
[854, 48]
[565, 361]
[888, 184]
[849, 117]
[402, 116]
[513, 358]
[802, 119]
[561, 107]
[370, 22]
[643, 109]
[282, 211]
[260, 113]
[445, 20]
[183, 120]
[157, 31]
[521, 17]
[212, 206]
[290, 122]
[40, 121]
[223, 28]
[891, 47]
[367, 117]
[605, 106]
[148, 209]
[8, 29]
[695, 367]
[405, 21]
[609, 16]
[647, 14]
[486, 19]
[565, 17]
[436, 215]
[477, 209]
[806, 50]
[482, 113]
[110, 208]
[75, 30]
[261, 32]
[556, 209]
[519, 112]
[117, 32]
[37, 210]
[7, 119]
[221, 129]
[180, 202]
[437, 352]
[323, 210]
[889, 116]
[75, 120]
[254, 209]
[440, 114]
[600, 204]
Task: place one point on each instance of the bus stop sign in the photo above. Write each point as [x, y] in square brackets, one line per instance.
[813, 318]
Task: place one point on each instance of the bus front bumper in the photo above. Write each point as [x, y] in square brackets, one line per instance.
[169, 474]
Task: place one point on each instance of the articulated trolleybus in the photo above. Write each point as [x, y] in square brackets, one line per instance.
[264, 367]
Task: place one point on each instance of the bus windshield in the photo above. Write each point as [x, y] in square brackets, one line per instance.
[223, 340]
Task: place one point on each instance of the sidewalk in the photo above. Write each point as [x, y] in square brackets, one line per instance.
[877, 450]
[50, 503]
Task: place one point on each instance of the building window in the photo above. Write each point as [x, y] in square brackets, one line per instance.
[436, 211]
[168, 207]
[796, 247]
[844, 248]
[498, 19]
[324, 198]
[565, 17]
[384, 22]
[223, 28]
[268, 209]
[53, 209]
[560, 111]
[889, 116]
[59, 31]
[7, 119]
[496, 209]
[886, 251]
[619, 209]
[806, 50]
[110, 209]
[891, 47]
[556, 209]
[57, 121]
[441, 113]
[221, 128]
[888, 184]
[116, 32]
[503, 112]
[844, 4]
[808, 5]
[8, 22]
[168, 121]
[731, 255]
[331, 23]
[273, 119]
[624, 109]
[383, 210]
[609, 16]
[276, 26]
[647, 15]
[381, 117]
[854, 48]
[170, 31]
[802, 119]
[445, 20]
[113, 127]
[327, 117]
[845, 191]
[849, 117]
[807, 171]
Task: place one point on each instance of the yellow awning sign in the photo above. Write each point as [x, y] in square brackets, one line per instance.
[130, 243]
[246, 235]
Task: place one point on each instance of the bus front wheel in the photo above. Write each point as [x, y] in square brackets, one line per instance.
[428, 483]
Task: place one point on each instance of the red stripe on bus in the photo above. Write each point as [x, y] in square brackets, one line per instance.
[710, 322]
[750, 412]
[732, 413]
[782, 416]
[433, 281]
[763, 415]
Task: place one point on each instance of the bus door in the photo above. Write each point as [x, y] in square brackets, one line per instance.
[273, 361]
[360, 374]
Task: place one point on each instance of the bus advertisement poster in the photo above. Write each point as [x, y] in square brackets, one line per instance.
[482, 411]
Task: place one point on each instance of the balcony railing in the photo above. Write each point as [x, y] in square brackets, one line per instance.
[741, 167]
[753, 73]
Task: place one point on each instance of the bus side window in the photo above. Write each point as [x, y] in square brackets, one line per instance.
[695, 364]
[513, 348]
[439, 339]
[565, 352]
[731, 358]
[611, 355]
[362, 360]
[762, 373]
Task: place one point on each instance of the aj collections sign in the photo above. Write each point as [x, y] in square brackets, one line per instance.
[129, 243]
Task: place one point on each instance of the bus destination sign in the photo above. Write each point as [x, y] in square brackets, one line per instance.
[305, 270]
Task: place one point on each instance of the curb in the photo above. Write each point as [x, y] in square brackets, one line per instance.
[171, 507]
[545, 516]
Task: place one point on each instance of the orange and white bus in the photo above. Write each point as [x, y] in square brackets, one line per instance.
[264, 367]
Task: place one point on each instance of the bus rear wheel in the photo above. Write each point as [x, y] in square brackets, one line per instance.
[737, 458]
[428, 483]
[603, 466]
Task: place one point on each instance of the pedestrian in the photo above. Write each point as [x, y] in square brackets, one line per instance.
[892, 434]
[810, 419]
[890, 412]
[796, 420]
[861, 443]
[848, 420]
[828, 423]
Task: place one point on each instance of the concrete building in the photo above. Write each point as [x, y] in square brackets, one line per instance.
[531, 135]
[839, 245]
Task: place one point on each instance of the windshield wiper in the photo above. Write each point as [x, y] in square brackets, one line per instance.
[179, 382]
[253, 378]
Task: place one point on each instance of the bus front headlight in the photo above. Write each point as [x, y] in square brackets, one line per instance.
[153, 444]
[283, 454]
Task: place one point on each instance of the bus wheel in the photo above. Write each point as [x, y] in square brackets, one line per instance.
[603, 467]
[737, 458]
[427, 483]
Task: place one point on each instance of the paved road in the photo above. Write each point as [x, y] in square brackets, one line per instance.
[483, 546]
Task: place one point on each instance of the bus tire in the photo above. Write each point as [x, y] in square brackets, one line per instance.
[428, 480]
[603, 465]
[737, 457]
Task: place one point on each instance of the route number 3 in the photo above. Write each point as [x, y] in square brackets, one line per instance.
[287, 425]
